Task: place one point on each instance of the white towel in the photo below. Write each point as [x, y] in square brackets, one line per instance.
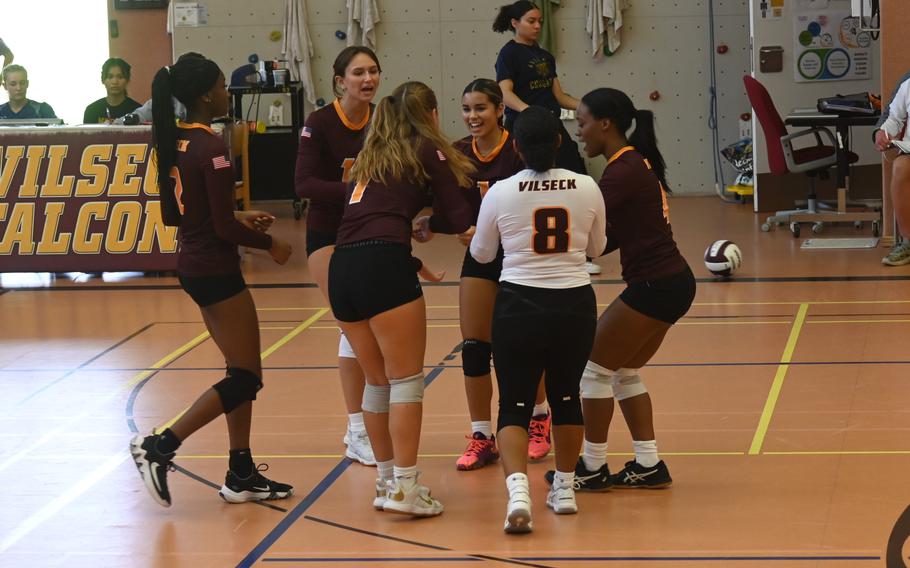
[363, 15]
[604, 24]
[297, 48]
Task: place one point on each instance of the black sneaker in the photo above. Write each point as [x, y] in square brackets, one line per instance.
[153, 466]
[637, 476]
[594, 481]
[256, 487]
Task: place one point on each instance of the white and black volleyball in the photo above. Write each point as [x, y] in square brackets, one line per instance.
[723, 258]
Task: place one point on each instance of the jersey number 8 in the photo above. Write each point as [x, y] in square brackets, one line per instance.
[551, 230]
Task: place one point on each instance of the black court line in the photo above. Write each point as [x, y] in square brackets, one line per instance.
[725, 558]
[509, 561]
[356, 560]
[83, 365]
[323, 486]
[371, 533]
[449, 284]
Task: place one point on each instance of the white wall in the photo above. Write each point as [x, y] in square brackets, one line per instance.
[788, 94]
[447, 43]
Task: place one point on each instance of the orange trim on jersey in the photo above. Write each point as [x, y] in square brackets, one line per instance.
[619, 153]
[346, 121]
[189, 125]
[495, 152]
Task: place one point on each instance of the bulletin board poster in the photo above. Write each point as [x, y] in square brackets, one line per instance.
[830, 46]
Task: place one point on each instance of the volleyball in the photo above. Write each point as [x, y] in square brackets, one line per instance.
[723, 258]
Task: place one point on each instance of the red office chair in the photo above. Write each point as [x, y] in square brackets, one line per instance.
[783, 157]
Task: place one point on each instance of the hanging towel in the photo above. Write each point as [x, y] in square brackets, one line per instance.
[548, 31]
[363, 15]
[604, 24]
[297, 48]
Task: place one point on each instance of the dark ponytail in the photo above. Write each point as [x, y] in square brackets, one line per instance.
[186, 80]
[645, 141]
[537, 136]
[617, 106]
[509, 12]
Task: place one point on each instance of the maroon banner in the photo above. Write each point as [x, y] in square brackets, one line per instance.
[81, 199]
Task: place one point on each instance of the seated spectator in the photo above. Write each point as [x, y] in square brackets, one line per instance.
[15, 81]
[893, 126]
[115, 74]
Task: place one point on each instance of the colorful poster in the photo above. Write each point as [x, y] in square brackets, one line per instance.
[772, 9]
[830, 46]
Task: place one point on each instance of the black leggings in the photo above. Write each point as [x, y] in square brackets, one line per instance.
[540, 330]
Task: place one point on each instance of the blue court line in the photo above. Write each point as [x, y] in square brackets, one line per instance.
[375, 534]
[85, 364]
[311, 498]
[692, 558]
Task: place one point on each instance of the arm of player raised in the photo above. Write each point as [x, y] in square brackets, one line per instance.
[309, 159]
[451, 210]
[219, 187]
[597, 237]
[485, 244]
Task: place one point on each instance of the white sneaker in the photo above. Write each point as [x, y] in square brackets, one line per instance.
[359, 448]
[592, 268]
[382, 493]
[518, 512]
[562, 499]
[411, 499]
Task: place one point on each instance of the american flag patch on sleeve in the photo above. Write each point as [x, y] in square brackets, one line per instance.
[442, 157]
[220, 162]
[306, 132]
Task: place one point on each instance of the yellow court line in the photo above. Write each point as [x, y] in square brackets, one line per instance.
[778, 383]
[335, 327]
[801, 302]
[297, 330]
[862, 321]
[733, 322]
[166, 360]
[290, 309]
[843, 453]
[276, 327]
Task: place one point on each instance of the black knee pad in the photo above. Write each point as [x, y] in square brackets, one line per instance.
[566, 410]
[475, 357]
[513, 415]
[238, 387]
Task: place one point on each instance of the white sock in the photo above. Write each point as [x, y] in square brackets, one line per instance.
[646, 452]
[385, 469]
[541, 409]
[594, 455]
[518, 482]
[406, 476]
[563, 479]
[485, 427]
[355, 422]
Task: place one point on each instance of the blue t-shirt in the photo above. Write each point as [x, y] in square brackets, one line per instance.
[32, 109]
[532, 70]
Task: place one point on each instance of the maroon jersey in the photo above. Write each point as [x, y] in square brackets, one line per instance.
[204, 186]
[503, 162]
[329, 144]
[638, 218]
[385, 211]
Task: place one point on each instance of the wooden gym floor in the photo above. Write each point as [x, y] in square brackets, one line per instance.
[781, 410]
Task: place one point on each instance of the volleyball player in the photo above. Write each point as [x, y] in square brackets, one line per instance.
[547, 219]
[490, 149]
[659, 289]
[196, 183]
[373, 288]
[329, 143]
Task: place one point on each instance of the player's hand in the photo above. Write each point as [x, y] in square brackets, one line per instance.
[882, 140]
[256, 220]
[466, 237]
[429, 275]
[280, 251]
[421, 232]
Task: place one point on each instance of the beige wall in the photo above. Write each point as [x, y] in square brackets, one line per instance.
[143, 42]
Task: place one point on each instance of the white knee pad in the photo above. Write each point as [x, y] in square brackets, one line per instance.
[596, 381]
[408, 389]
[376, 398]
[344, 347]
[627, 383]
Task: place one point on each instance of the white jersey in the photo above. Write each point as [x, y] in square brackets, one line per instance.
[548, 223]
